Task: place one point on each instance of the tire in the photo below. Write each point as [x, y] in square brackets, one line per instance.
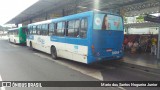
[9, 40]
[14, 41]
[54, 53]
[30, 45]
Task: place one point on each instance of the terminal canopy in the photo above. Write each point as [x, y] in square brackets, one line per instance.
[67, 7]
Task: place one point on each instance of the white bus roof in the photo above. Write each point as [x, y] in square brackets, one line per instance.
[12, 29]
[42, 22]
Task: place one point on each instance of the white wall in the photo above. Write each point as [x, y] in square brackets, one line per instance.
[131, 19]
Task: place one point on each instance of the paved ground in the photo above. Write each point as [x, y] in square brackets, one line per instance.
[21, 64]
[143, 59]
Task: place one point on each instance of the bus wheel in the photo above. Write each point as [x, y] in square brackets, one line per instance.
[31, 47]
[9, 40]
[53, 52]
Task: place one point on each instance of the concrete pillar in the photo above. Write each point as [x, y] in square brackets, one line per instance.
[46, 16]
[17, 25]
[76, 4]
[30, 21]
[158, 47]
[63, 12]
[126, 29]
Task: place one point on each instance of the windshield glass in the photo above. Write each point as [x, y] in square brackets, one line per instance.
[107, 22]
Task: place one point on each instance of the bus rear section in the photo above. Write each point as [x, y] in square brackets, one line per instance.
[107, 38]
[22, 35]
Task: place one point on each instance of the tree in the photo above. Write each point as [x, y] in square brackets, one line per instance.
[140, 19]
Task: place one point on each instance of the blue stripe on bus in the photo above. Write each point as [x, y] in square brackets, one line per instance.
[30, 37]
[69, 40]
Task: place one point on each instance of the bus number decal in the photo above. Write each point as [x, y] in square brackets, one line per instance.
[75, 48]
[115, 52]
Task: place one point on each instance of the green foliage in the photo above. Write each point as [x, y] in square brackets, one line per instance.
[125, 19]
[140, 19]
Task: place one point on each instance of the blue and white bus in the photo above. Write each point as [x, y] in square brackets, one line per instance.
[85, 37]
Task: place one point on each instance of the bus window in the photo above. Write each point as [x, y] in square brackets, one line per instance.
[55, 28]
[76, 28]
[47, 29]
[30, 30]
[24, 30]
[83, 29]
[73, 28]
[16, 32]
[51, 29]
[39, 30]
[70, 28]
[60, 28]
[44, 29]
[34, 30]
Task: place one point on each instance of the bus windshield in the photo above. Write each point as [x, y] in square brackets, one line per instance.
[107, 22]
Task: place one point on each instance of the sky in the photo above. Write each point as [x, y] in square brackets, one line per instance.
[11, 8]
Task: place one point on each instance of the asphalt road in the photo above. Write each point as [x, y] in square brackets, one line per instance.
[19, 63]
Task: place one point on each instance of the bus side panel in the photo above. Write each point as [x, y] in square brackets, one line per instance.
[77, 48]
[71, 48]
[90, 38]
[14, 39]
[59, 44]
[42, 43]
[11, 38]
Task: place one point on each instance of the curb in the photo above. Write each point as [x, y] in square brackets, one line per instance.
[142, 68]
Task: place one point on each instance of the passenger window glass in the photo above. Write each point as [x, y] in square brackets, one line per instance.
[83, 29]
[34, 29]
[76, 29]
[71, 24]
[24, 30]
[60, 29]
[73, 28]
[30, 30]
[39, 30]
[51, 29]
[44, 30]
[77, 23]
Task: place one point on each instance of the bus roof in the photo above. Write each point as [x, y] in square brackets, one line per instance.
[59, 18]
[68, 17]
[42, 22]
[12, 29]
